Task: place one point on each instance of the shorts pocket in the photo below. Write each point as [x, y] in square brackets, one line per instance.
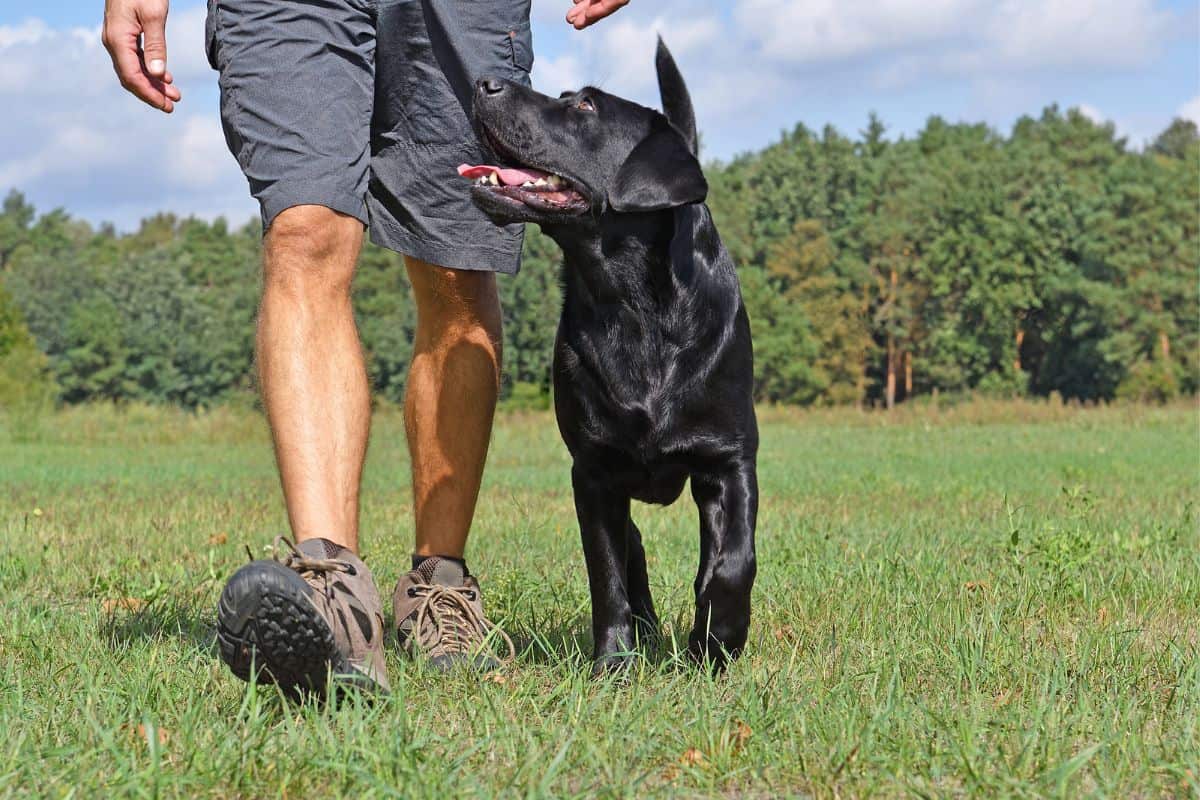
[520, 40]
[210, 34]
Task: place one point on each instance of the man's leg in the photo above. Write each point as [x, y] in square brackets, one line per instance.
[448, 409]
[312, 613]
[311, 370]
[427, 57]
[450, 400]
[297, 89]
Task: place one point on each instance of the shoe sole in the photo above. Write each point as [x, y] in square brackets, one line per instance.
[268, 631]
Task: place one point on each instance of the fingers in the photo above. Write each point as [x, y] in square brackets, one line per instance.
[577, 15]
[154, 39]
[167, 85]
[120, 38]
[586, 12]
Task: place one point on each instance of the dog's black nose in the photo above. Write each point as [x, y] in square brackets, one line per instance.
[490, 86]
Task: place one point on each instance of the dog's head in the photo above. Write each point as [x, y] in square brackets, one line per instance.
[571, 159]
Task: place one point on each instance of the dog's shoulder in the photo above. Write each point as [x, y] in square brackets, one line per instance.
[701, 263]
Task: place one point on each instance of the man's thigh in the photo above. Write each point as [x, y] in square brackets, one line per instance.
[428, 57]
[297, 83]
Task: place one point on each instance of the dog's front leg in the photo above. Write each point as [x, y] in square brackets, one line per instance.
[728, 503]
[603, 516]
[637, 582]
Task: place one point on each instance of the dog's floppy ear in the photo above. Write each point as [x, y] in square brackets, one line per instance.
[676, 102]
[661, 172]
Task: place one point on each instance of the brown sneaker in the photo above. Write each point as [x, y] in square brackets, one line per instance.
[299, 620]
[439, 616]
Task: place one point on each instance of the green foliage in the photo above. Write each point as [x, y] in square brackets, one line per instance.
[1149, 381]
[1059, 550]
[1053, 260]
[784, 348]
[25, 385]
[531, 304]
[386, 319]
[13, 332]
[818, 320]
[958, 261]
[527, 397]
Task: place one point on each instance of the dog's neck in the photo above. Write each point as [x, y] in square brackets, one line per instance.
[619, 265]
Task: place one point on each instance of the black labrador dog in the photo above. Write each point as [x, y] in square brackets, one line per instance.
[653, 364]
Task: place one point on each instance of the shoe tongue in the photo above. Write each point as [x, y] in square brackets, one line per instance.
[320, 548]
[442, 571]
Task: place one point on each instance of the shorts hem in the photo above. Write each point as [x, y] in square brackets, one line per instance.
[465, 257]
[276, 203]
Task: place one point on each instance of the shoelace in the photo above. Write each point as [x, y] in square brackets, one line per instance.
[457, 622]
[294, 559]
[297, 560]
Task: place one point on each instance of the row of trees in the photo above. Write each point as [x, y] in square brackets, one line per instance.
[1054, 259]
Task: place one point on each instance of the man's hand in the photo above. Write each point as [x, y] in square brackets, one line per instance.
[135, 35]
[585, 12]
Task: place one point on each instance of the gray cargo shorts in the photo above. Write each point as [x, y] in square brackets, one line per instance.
[362, 106]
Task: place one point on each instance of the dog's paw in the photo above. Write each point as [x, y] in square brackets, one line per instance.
[613, 664]
[648, 632]
[708, 651]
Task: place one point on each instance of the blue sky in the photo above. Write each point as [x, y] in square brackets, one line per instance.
[755, 68]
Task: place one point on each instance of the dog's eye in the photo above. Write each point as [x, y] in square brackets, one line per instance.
[585, 105]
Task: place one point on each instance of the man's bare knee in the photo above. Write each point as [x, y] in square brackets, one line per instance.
[311, 251]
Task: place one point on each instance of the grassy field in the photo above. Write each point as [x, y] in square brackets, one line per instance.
[992, 600]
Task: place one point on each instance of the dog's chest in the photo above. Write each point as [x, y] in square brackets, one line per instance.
[631, 380]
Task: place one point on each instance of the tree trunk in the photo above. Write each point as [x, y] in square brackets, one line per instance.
[1017, 360]
[907, 374]
[891, 373]
[864, 352]
[1164, 345]
[890, 396]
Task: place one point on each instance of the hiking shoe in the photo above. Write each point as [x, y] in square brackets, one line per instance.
[310, 616]
[439, 616]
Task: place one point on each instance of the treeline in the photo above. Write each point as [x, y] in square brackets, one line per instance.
[1056, 259]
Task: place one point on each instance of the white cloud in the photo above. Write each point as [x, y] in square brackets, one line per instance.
[555, 75]
[1092, 113]
[200, 145]
[85, 144]
[27, 32]
[813, 31]
[619, 52]
[627, 45]
[749, 61]
[754, 67]
[725, 78]
[185, 43]
[934, 36]
[1190, 110]
[552, 11]
[1132, 128]
[1075, 33]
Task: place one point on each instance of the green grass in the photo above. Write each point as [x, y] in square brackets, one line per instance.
[994, 600]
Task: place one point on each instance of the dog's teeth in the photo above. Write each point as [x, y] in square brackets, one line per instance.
[527, 183]
[492, 179]
[555, 181]
[540, 182]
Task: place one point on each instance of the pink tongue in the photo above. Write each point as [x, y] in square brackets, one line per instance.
[509, 176]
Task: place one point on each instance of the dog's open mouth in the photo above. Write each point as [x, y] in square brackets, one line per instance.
[535, 188]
